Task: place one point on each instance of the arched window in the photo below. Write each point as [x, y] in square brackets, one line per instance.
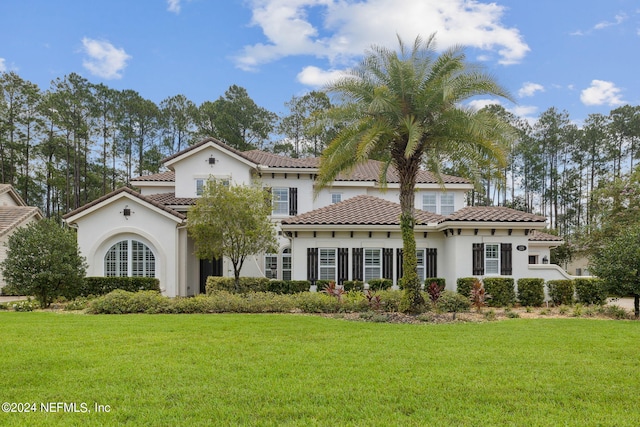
[129, 258]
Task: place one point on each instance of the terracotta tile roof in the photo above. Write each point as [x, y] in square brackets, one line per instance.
[370, 171]
[359, 210]
[204, 142]
[170, 199]
[274, 160]
[13, 216]
[493, 214]
[168, 176]
[539, 236]
[128, 191]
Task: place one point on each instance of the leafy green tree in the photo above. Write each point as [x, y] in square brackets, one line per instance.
[302, 128]
[233, 222]
[43, 260]
[617, 262]
[405, 109]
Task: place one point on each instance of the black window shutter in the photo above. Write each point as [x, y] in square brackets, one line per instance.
[432, 262]
[343, 265]
[478, 259]
[399, 259]
[387, 263]
[506, 264]
[357, 270]
[293, 201]
[312, 265]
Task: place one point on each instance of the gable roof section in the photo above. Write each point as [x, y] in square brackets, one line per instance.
[370, 171]
[271, 160]
[12, 217]
[126, 190]
[539, 236]
[492, 214]
[359, 210]
[170, 199]
[208, 142]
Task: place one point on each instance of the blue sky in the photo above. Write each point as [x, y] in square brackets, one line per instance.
[582, 56]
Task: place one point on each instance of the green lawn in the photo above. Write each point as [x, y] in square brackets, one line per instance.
[168, 370]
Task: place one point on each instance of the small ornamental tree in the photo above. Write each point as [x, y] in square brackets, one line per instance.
[617, 262]
[43, 260]
[232, 222]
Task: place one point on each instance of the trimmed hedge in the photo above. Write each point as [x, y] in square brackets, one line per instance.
[103, 285]
[464, 285]
[440, 281]
[501, 290]
[561, 291]
[531, 292]
[352, 285]
[256, 284]
[590, 290]
[380, 284]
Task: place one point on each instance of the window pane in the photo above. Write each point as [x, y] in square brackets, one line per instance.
[118, 262]
[280, 197]
[336, 197]
[286, 264]
[429, 202]
[446, 204]
[327, 264]
[372, 264]
[420, 257]
[492, 258]
[199, 187]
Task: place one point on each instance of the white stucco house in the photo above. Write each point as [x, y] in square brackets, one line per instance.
[348, 231]
[14, 213]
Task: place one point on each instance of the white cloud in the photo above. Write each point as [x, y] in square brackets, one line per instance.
[104, 60]
[479, 104]
[317, 77]
[3, 67]
[529, 89]
[600, 93]
[175, 6]
[619, 19]
[341, 31]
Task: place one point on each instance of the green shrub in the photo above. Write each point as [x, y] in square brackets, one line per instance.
[121, 302]
[296, 286]
[10, 290]
[24, 305]
[79, 303]
[590, 290]
[464, 285]
[103, 285]
[316, 302]
[531, 292]
[453, 302]
[380, 284]
[247, 284]
[561, 291]
[501, 290]
[353, 285]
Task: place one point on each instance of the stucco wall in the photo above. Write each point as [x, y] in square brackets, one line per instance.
[104, 227]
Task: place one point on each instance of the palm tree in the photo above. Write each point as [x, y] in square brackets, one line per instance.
[404, 109]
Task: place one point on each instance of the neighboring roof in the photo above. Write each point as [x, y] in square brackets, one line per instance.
[170, 199]
[12, 216]
[359, 210]
[539, 236]
[8, 188]
[492, 214]
[168, 176]
[129, 191]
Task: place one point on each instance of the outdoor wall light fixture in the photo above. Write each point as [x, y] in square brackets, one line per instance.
[126, 212]
[212, 160]
[545, 260]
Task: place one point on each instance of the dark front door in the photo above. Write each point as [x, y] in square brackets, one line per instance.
[209, 267]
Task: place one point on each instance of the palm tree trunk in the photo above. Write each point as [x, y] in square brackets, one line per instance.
[408, 169]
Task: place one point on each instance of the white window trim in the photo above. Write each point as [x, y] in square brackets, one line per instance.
[129, 260]
[285, 202]
[496, 259]
[365, 266]
[328, 267]
[437, 208]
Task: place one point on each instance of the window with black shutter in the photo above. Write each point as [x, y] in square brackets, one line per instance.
[399, 260]
[357, 264]
[478, 259]
[506, 264]
[312, 265]
[293, 201]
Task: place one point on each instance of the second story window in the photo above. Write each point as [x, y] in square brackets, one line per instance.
[336, 197]
[440, 203]
[429, 203]
[280, 201]
[446, 204]
[202, 182]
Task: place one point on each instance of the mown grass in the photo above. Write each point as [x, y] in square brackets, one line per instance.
[167, 370]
